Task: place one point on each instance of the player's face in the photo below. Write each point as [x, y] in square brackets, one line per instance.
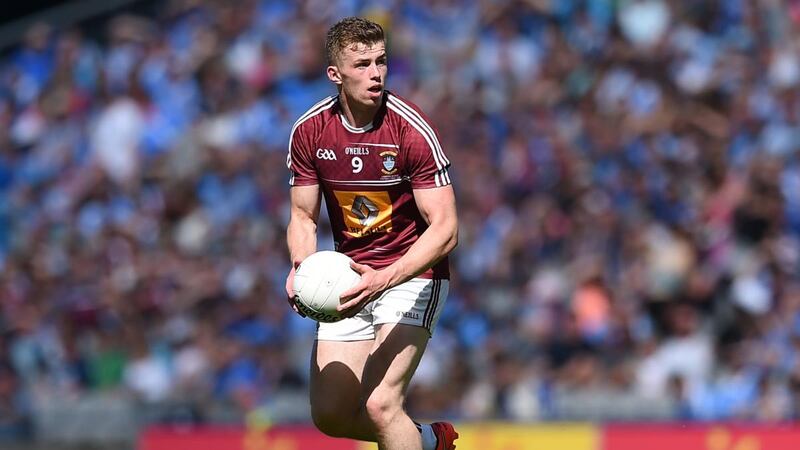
[361, 71]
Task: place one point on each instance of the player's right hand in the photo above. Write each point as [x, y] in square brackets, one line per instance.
[290, 291]
[371, 286]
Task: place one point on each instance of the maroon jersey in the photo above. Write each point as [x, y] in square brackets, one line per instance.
[367, 176]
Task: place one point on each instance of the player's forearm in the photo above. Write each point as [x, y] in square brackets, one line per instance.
[301, 238]
[433, 245]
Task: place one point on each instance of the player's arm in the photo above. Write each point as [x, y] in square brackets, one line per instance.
[438, 208]
[304, 200]
[301, 233]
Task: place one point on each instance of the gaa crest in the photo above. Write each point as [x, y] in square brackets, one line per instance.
[389, 160]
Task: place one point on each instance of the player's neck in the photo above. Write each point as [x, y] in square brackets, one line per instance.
[355, 114]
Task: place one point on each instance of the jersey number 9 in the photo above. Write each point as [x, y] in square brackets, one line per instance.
[357, 164]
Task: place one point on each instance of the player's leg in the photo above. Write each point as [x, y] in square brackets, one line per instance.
[387, 373]
[405, 317]
[339, 359]
[337, 405]
[336, 371]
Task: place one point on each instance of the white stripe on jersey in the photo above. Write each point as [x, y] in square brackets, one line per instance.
[413, 113]
[445, 175]
[377, 145]
[320, 106]
[438, 179]
[366, 182]
[418, 124]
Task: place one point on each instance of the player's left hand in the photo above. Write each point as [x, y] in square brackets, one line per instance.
[371, 286]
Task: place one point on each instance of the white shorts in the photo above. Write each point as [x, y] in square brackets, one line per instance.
[418, 301]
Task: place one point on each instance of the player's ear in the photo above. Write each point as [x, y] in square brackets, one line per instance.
[334, 75]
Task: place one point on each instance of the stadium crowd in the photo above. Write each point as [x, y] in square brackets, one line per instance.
[626, 172]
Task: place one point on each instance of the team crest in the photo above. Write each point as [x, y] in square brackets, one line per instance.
[389, 158]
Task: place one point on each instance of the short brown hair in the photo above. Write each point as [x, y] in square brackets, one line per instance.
[348, 31]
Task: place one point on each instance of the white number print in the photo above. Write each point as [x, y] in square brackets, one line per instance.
[357, 163]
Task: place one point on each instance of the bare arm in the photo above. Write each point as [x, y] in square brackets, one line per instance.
[301, 233]
[438, 208]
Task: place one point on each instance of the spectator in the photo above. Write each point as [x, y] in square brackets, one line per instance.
[630, 201]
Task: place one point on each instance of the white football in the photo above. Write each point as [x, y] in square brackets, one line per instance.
[319, 281]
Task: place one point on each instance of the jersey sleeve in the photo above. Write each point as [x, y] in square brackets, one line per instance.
[300, 159]
[427, 165]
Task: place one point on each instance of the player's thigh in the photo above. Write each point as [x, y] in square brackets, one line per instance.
[395, 356]
[336, 371]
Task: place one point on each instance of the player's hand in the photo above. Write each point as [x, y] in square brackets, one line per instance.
[371, 286]
[290, 291]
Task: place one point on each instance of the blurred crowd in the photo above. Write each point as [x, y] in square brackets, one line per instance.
[626, 173]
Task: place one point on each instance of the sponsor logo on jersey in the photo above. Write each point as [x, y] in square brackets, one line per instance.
[389, 160]
[326, 154]
[365, 213]
[365, 210]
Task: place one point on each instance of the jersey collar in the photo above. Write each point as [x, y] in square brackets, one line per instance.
[353, 129]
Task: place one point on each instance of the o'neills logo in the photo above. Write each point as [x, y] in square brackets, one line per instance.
[389, 158]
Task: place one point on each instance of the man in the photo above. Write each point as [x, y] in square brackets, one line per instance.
[378, 162]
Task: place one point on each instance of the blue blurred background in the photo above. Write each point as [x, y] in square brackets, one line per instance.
[628, 186]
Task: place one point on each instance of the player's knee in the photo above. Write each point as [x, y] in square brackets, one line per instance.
[330, 420]
[382, 409]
